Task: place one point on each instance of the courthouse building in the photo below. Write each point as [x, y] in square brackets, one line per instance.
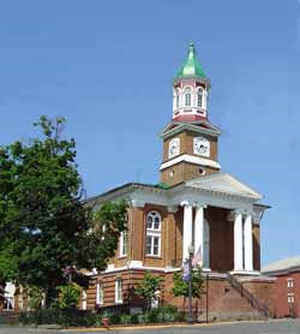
[194, 203]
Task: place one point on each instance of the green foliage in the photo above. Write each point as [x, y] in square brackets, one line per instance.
[8, 263]
[181, 288]
[36, 296]
[68, 295]
[43, 216]
[65, 318]
[148, 287]
[73, 317]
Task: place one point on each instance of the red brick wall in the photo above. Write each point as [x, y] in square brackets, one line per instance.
[223, 300]
[221, 239]
[281, 291]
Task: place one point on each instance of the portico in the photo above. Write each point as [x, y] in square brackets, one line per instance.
[239, 200]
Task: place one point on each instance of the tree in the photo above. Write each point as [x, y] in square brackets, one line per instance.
[44, 221]
[148, 288]
[181, 287]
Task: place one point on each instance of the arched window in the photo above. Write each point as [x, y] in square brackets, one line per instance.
[177, 99]
[153, 235]
[188, 97]
[200, 98]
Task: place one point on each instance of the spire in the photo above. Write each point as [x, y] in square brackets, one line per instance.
[191, 68]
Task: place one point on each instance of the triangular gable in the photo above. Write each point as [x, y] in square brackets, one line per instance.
[224, 183]
[193, 126]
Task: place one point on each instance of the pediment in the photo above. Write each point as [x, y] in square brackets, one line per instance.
[203, 126]
[224, 183]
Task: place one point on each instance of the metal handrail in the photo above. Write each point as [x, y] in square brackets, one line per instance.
[257, 304]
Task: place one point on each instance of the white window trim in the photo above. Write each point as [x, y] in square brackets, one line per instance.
[84, 300]
[118, 285]
[152, 235]
[151, 232]
[123, 236]
[99, 296]
[291, 298]
[290, 282]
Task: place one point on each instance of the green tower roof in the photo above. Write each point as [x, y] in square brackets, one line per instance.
[191, 67]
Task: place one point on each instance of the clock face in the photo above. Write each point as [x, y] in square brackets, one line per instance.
[174, 147]
[201, 146]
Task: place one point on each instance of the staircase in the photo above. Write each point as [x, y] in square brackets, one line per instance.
[252, 300]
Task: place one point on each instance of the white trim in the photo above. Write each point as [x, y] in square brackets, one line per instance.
[84, 297]
[245, 272]
[259, 277]
[118, 288]
[191, 159]
[99, 294]
[123, 242]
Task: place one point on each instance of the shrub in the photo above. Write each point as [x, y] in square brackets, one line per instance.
[115, 319]
[125, 319]
[180, 316]
[68, 295]
[134, 318]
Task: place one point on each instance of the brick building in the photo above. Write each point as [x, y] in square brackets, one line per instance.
[196, 204]
[286, 286]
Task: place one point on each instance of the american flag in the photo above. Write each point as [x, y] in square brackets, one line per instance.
[186, 271]
[197, 258]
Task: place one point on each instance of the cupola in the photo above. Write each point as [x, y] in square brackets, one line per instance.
[190, 90]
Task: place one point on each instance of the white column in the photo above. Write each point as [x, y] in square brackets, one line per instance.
[200, 236]
[248, 243]
[187, 229]
[238, 242]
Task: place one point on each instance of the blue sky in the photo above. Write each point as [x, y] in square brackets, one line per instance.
[107, 66]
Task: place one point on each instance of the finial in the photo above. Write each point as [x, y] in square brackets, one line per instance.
[191, 46]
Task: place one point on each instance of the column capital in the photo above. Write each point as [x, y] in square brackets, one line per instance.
[238, 211]
[186, 203]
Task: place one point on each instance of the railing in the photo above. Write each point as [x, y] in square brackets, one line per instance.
[253, 301]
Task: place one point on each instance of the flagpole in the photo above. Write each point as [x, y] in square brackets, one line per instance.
[191, 253]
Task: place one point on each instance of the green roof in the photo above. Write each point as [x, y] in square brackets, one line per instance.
[191, 67]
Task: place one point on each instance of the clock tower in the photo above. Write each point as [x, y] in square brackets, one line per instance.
[189, 140]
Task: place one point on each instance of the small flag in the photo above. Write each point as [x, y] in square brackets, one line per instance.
[197, 257]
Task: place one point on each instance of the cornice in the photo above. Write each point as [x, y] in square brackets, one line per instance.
[190, 159]
[189, 126]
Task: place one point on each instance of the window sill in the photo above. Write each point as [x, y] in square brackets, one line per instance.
[120, 257]
[159, 257]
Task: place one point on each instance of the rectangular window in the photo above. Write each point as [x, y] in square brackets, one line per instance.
[153, 245]
[84, 300]
[290, 283]
[123, 243]
[118, 291]
[291, 298]
[99, 294]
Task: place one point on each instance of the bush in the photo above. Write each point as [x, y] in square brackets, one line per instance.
[115, 319]
[153, 316]
[134, 318]
[125, 319]
[68, 295]
[180, 316]
[65, 317]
